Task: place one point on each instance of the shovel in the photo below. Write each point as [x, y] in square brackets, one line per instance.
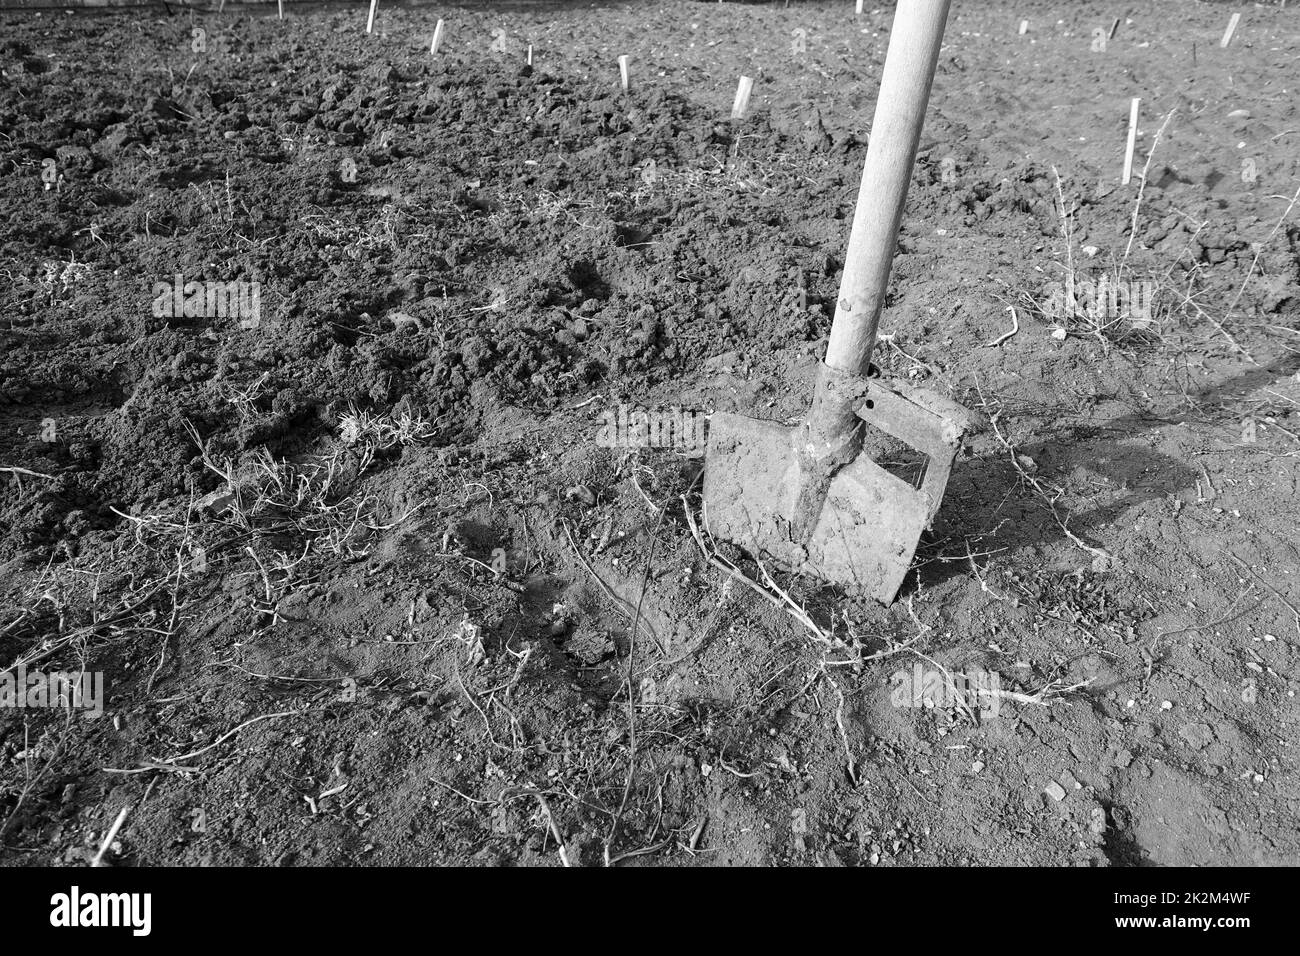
[809, 497]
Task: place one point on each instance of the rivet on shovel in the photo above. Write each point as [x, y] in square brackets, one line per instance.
[809, 497]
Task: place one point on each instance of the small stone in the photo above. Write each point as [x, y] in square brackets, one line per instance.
[216, 501]
[1097, 820]
[401, 320]
[581, 493]
[1055, 791]
[723, 362]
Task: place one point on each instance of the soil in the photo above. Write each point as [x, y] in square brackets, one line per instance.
[366, 588]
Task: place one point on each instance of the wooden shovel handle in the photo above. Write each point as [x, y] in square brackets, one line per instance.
[900, 112]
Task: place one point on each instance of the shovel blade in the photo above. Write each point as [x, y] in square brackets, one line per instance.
[869, 526]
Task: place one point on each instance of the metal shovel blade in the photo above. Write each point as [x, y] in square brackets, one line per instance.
[871, 520]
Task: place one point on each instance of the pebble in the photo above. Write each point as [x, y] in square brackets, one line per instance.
[1055, 791]
[580, 493]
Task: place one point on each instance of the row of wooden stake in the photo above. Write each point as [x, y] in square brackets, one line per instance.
[1024, 25]
[740, 105]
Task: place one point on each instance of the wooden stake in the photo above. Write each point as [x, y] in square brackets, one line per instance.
[112, 832]
[1232, 28]
[741, 103]
[530, 54]
[623, 74]
[370, 20]
[1114, 28]
[280, 6]
[1132, 140]
[437, 37]
[1024, 27]
[858, 8]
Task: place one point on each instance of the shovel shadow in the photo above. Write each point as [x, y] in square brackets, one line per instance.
[987, 498]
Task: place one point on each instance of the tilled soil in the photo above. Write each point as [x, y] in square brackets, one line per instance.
[368, 584]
